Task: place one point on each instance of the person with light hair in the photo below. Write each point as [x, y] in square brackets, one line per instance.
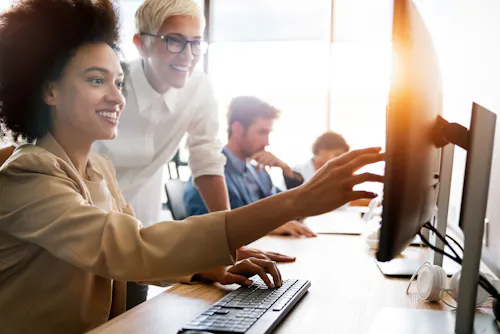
[167, 99]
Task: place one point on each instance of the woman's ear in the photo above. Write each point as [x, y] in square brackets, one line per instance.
[49, 96]
[140, 44]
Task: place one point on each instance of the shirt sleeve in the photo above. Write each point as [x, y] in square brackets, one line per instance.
[205, 149]
[293, 182]
[41, 205]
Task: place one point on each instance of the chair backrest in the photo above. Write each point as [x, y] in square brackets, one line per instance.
[177, 163]
[5, 153]
[175, 198]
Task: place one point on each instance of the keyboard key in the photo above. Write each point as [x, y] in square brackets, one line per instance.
[240, 328]
[266, 306]
[195, 327]
[217, 328]
[218, 323]
[214, 308]
[208, 313]
[234, 305]
[278, 307]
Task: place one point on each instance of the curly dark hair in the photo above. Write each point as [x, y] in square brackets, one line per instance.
[37, 40]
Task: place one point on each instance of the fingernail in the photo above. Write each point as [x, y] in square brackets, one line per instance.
[272, 286]
[248, 282]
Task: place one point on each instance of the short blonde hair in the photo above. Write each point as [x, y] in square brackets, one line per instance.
[152, 13]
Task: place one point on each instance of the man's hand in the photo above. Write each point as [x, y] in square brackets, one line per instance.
[241, 271]
[295, 229]
[265, 158]
[245, 252]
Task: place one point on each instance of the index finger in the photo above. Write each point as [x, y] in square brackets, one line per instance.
[280, 257]
[258, 154]
[270, 268]
[363, 160]
[345, 158]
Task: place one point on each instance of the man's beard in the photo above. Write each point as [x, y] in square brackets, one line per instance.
[248, 152]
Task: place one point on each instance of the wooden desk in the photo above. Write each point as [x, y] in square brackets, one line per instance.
[347, 291]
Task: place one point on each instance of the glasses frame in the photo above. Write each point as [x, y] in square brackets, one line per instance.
[203, 44]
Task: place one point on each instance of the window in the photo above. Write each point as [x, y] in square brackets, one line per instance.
[360, 73]
[292, 76]
[277, 52]
[362, 20]
[359, 91]
[280, 51]
[270, 20]
[127, 19]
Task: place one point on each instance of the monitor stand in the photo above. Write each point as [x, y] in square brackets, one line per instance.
[403, 267]
[408, 321]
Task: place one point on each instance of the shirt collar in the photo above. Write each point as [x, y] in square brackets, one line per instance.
[237, 163]
[49, 143]
[146, 95]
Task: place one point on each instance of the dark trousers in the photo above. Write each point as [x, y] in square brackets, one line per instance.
[136, 294]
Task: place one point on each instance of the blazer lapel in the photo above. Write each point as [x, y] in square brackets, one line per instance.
[49, 143]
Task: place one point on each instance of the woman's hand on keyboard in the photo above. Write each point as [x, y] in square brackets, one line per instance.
[240, 272]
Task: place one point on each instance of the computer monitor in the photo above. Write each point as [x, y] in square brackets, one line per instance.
[412, 158]
[415, 133]
[412, 172]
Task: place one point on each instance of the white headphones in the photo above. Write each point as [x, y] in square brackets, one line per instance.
[431, 284]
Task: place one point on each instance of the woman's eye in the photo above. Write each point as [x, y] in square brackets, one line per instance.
[97, 81]
[119, 84]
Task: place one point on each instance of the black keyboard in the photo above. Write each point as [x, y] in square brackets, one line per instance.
[253, 310]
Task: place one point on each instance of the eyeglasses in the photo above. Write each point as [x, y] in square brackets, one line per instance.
[178, 45]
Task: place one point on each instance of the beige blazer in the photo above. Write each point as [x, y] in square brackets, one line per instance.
[68, 245]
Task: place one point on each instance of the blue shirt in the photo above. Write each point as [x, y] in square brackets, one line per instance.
[251, 183]
[244, 183]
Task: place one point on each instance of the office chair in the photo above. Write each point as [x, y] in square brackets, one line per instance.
[178, 162]
[174, 189]
[5, 153]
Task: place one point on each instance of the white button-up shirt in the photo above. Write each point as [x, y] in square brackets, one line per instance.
[150, 130]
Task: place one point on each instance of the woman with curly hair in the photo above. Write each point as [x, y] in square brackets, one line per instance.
[68, 240]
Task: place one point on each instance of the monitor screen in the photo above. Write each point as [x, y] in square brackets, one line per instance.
[412, 160]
